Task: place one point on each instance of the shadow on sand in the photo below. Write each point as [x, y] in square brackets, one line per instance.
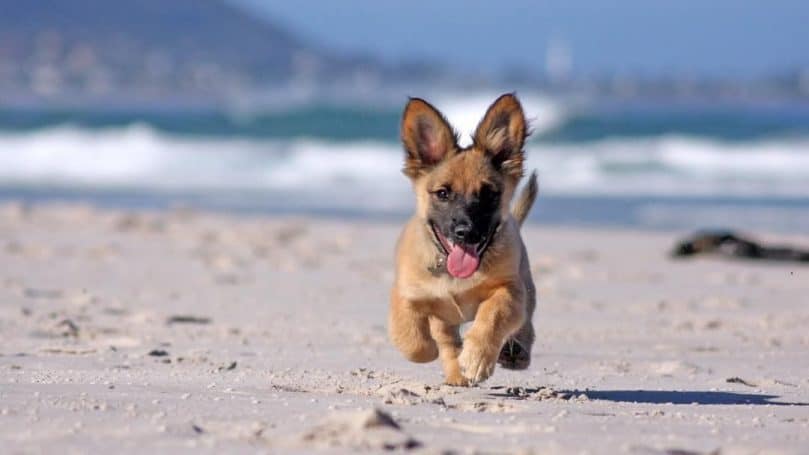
[667, 397]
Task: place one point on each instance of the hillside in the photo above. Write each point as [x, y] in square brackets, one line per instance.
[150, 48]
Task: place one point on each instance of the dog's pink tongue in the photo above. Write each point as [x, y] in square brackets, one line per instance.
[462, 261]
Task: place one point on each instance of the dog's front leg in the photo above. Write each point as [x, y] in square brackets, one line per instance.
[409, 329]
[498, 317]
[448, 338]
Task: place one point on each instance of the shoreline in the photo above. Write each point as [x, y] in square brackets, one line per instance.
[142, 330]
[667, 214]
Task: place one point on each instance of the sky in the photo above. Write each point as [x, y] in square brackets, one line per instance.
[714, 38]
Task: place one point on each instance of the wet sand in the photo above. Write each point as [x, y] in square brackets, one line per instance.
[170, 331]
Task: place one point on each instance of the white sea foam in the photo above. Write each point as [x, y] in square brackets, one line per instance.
[675, 165]
[140, 157]
[465, 111]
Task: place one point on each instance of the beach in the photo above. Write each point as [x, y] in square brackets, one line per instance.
[175, 330]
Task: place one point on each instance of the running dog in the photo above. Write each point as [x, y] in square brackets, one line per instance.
[460, 258]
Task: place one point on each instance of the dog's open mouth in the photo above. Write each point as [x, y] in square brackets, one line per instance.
[463, 260]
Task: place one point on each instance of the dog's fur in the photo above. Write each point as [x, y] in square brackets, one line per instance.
[466, 190]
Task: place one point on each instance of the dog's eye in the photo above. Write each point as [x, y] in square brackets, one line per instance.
[442, 194]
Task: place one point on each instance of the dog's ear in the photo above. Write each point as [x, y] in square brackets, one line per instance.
[427, 137]
[502, 133]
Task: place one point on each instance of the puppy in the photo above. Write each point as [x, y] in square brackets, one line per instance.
[460, 257]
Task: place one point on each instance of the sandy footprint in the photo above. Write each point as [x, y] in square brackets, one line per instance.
[365, 430]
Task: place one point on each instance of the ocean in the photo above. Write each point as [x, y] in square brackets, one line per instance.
[647, 165]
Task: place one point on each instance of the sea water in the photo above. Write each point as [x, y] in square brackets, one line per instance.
[660, 165]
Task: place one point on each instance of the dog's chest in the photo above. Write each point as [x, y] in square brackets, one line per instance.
[467, 307]
[458, 297]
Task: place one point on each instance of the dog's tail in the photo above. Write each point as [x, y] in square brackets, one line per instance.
[526, 199]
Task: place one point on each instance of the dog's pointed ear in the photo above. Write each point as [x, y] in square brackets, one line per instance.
[502, 133]
[427, 137]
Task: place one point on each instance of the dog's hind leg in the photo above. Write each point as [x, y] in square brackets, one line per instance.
[409, 330]
[448, 339]
[516, 353]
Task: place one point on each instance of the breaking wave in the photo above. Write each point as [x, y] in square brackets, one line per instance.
[141, 157]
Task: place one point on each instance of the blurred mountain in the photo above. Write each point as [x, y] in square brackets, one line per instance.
[181, 52]
[153, 49]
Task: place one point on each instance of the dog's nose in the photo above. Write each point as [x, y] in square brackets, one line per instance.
[462, 230]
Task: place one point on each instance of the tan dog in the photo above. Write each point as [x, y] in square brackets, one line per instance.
[460, 257]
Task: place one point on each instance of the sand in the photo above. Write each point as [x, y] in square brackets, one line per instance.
[176, 331]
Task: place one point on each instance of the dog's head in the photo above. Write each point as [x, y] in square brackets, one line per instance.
[463, 194]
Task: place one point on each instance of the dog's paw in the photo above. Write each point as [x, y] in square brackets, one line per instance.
[477, 361]
[513, 356]
[456, 380]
